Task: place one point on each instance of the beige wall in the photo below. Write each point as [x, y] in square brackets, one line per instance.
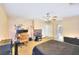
[3, 24]
[38, 24]
[16, 21]
[71, 26]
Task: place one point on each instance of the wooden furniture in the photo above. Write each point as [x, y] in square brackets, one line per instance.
[22, 35]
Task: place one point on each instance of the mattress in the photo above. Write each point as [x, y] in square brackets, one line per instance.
[53, 47]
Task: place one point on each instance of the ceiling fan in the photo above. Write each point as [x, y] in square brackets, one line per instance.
[48, 18]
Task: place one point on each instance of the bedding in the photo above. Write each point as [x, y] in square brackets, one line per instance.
[5, 47]
[53, 47]
[71, 40]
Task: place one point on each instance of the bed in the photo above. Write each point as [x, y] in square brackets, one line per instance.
[53, 47]
[5, 47]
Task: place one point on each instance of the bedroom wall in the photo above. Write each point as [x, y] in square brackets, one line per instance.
[39, 24]
[3, 24]
[16, 21]
[71, 26]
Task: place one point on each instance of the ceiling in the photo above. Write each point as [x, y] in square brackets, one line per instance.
[39, 10]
